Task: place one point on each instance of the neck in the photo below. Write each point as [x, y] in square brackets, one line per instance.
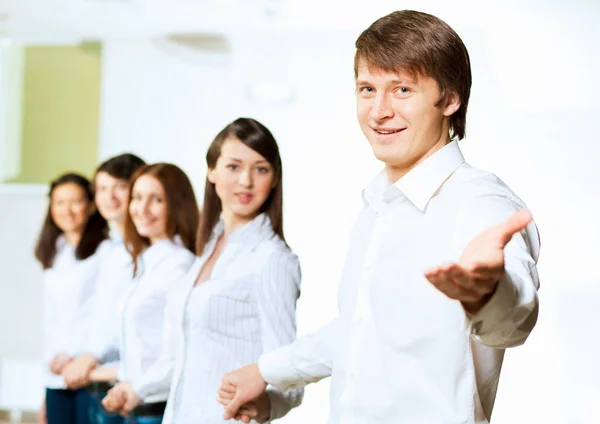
[232, 222]
[73, 238]
[154, 240]
[395, 172]
[119, 226]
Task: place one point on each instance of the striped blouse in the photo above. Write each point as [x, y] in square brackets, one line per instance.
[246, 307]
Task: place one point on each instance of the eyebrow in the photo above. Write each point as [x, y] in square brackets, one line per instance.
[240, 160]
[393, 82]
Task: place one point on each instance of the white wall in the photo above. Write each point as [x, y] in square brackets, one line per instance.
[22, 210]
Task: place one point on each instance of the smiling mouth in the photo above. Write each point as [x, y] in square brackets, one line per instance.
[387, 132]
[145, 223]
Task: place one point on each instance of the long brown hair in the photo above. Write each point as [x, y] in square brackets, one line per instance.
[258, 137]
[183, 214]
[423, 45]
[95, 230]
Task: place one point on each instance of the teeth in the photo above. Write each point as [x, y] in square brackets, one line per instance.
[386, 132]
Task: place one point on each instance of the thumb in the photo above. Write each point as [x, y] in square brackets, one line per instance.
[232, 408]
[515, 223]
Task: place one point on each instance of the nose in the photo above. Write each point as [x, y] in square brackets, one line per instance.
[382, 108]
[146, 207]
[246, 178]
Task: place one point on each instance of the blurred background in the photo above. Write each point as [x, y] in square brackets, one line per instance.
[82, 80]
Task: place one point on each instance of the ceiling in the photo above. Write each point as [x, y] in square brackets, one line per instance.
[73, 21]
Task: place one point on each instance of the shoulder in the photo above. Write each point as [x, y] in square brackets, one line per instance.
[274, 249]
[482, 200]
[277, 262]
[181, 256]
[105, 248]
[473, 188]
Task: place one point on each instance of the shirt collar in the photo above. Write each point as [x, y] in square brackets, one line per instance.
[251, 233]
[115, 236]
[421, 183]
[160, 250]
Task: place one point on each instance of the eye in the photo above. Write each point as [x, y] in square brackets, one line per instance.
[157, 200]
[232, 166]
[263, 170]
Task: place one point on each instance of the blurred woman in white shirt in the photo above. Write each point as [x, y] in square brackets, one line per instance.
[111, 189]
[70, 248]
[239, 298]
[160, 231]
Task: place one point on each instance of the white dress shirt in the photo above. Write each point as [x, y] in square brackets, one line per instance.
[144, 310]
[114, 280]
[69, 290]
[245, 308]
[400, 350]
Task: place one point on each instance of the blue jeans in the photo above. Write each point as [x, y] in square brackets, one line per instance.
[143, 420]
[99, 414]
[68, 406]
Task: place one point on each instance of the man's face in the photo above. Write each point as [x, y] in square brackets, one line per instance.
[398, 115]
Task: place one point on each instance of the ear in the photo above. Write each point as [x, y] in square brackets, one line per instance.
[451, 103]
[211, 175]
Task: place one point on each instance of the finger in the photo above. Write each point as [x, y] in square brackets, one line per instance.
[249, 409]
[226, 395]
[480, 280]
[438, 269]
[243, 418]
[232, 408]
[517, 222]
[107, 404]
[467, 290]
[454, 289]
[222, 401]
[228, 387]
[461, 278]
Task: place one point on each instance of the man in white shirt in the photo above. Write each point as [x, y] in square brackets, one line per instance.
[440, 275]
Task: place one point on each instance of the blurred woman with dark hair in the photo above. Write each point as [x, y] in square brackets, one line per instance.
[70, 247]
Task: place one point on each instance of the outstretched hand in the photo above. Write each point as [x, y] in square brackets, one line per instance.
[473, 279]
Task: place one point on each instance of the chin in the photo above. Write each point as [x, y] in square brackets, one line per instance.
[246, 212]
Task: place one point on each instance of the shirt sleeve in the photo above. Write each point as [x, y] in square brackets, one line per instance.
[308, 360]
[511, 313]
[157, 378]
[276, 294]
[103, 337]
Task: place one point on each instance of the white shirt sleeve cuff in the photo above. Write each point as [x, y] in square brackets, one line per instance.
[277, 369]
